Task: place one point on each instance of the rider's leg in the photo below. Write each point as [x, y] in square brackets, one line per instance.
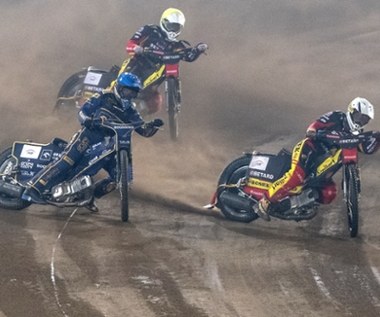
[56, 172]
[292, 178]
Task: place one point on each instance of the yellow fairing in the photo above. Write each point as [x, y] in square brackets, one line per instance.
[329, 162]
[155, 76]
[258, 183]
[151, 79]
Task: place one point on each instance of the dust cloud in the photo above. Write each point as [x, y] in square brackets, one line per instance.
[272, 67]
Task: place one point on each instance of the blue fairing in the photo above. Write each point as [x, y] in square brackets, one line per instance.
[33, 157]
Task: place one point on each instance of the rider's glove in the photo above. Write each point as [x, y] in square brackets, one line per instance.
[87, 123]
[320, 135]
[376, 135]
[157, 123]
[92, 123]
[138, 50]
[201, 47]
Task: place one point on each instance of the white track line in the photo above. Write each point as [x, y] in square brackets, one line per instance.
[320, 284]
[52, 269]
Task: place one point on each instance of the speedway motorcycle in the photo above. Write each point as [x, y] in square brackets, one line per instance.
[23, 160]
[246, 179]
[83, 84]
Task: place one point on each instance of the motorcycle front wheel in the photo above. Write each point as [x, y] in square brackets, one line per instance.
[351, 192]
[7, 165]
[173, 106]
[236, 170]
[123, 185]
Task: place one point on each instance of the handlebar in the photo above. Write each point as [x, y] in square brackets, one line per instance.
[166, 57]
[116, 125]
[346, 140]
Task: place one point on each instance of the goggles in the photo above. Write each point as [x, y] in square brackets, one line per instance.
[127, 93]
[360, 118]
[172, 27]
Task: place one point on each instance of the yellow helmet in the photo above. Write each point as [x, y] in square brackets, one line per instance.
[172, 22]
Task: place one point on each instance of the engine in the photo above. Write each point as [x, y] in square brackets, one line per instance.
[62, 192]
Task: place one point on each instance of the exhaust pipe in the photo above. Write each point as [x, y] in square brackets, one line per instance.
[11, 190]
[236, 201]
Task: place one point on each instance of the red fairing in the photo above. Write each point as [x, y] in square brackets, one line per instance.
[172, 70]
[350, 155]
[327, 194]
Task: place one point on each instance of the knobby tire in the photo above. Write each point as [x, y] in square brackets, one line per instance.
[123, 185]
[173, 107]
[352, 198]
[236, 170]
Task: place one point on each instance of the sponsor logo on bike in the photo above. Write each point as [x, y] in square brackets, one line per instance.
[26, 165]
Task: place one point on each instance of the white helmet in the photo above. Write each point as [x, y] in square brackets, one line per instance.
[359, 112]
[172, 22]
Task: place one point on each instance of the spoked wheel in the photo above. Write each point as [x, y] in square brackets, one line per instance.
[123, 185]
[236, 170]
[351, 195]
[173, 103]
[7, 167]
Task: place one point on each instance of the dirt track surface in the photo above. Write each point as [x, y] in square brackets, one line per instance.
[272, 67]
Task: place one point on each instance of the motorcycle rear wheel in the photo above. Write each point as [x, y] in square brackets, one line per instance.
[70, 92]
[7, 161]
[173, 104]
[123, 185]
[351, 187]
[236, 170]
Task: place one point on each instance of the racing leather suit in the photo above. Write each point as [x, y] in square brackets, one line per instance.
[305, 152]
[107, 107]
[152, 37]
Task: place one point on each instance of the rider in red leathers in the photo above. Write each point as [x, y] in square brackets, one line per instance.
[360, 112]
[162, 37]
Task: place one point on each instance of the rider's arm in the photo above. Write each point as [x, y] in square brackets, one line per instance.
[191, 53]
[88, 108]
[147, 129]
[137, 39]
[371, 145]
[326, 122]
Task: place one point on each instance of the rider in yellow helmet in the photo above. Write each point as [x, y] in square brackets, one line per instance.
[162, 37]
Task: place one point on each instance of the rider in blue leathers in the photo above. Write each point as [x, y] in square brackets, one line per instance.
[115, 105]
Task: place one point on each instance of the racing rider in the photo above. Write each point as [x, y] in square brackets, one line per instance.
[360, 112]
[162, 37]
[115, 105]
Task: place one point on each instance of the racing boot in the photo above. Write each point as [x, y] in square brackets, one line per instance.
[92, 206]
[262, 209]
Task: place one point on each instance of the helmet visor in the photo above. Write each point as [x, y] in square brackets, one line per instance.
[360, 118]
[172, 27]
[127, 93]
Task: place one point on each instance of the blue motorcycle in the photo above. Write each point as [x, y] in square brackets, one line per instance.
[20, 162]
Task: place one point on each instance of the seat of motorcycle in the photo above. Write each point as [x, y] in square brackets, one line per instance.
[95, 69]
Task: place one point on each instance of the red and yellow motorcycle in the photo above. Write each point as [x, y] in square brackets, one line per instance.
[246, 179]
